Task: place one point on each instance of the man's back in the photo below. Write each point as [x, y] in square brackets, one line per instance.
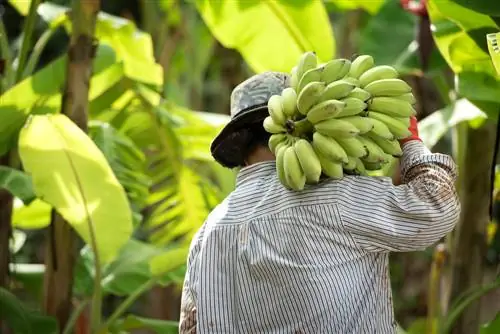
[271, 260]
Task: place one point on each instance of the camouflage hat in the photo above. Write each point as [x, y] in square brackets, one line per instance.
[248, 106]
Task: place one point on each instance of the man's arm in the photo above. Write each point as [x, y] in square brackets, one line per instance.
[406, 217]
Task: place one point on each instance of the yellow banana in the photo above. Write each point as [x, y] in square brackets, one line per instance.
[336, 128]
[332, 169]
[352, 107]
[391, 106]
[324, 110]
[360, 65]
[353, 146]
[275, 107]
[309, 96]
[363, 124]
[293, 171]
[375, 153]
[275, 140]
[328, 147]
[377, 73]
[280, 164]
[390, 147]
[335, 69]
[271, 126]
[308, 60]
[380, 129]
[397, 128]
[388, 87]
[360, 93]
[308, 160]
[289, 102]
[337, 90]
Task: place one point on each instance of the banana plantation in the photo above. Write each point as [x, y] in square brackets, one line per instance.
[108, 110]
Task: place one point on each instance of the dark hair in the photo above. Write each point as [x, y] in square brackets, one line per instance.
[246, 140]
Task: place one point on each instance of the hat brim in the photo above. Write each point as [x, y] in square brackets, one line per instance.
[222, 144]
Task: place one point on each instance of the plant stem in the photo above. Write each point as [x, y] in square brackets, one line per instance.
[6, 55]
[74, 317]
[433, 301]
[29, 26]
[129, 301]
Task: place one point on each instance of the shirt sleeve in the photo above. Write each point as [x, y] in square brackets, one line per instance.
[411, 216]
[188, 319]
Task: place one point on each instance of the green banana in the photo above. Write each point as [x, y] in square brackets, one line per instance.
[391, 107]
[388, 87]
[313, 75]
[275, 107]
[337, 90]
[335, 69]
[372, 166]
[352, 107]
[308, 160]
[289, 102]
[294, 174]
[351, 164]
[408, 97]
[280, 164]
[397, 128]
[336, 128]
[309, 96]
[360, 167]
[324, 110]
[390, 147]
[380, 129]
[359, 93]
[271, 126]
[352, 81]
[328, 147]
[331, 168]
[377, 73]
[353, 146]
[375, 153]
[308, 60]
[360, 65]
[275, 140]
[363, 124]
[294, 79]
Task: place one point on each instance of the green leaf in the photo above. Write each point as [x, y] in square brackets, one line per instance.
[493, 41]
[371, 6]
[270, 35]
[22, 320]
[76, 179]
[17, 183]
[17, 241]
[29, 275]
[492, 327]
[169, 260]
[487, 7]
[478, 86]
[36, 215]
[22, 6]
[133, 322]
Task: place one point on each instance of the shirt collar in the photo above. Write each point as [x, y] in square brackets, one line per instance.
[254, 171]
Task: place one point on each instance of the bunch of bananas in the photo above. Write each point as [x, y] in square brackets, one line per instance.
[343, 116]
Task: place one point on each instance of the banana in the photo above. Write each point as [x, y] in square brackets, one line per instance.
[331, 168]
[337, 90]
[353, 146]
[352, 81]
[377, 73]
[371, 166]
[408, 97]
[309, 96]
[294, 79]
[329, 148]
[388, 87]
[360, 167]
[375, 153]
[404, 120]
[289, 102]
[275, 107]
[308, 160]
[312, 75]
[352, 107]
[280, 164]
[397, 128]
[325, 110]
[308, 60]
[335, 69]
[294, 174]
[391, 106]
[390, 147]
[336, 128]
[380, 129]
[351, 164]
[271, 126]
[359, 93]
[275, 140]
[360, 65]
[363, 124]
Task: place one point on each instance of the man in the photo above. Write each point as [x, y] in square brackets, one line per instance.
[272, 260]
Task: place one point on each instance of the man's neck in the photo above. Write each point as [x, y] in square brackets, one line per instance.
[260, 154]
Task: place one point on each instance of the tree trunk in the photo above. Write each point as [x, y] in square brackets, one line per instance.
[469, 239]
[61, 249]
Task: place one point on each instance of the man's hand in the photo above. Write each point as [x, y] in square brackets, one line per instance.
[414, 131]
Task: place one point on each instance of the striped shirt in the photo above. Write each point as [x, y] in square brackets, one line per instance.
[272, 260]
